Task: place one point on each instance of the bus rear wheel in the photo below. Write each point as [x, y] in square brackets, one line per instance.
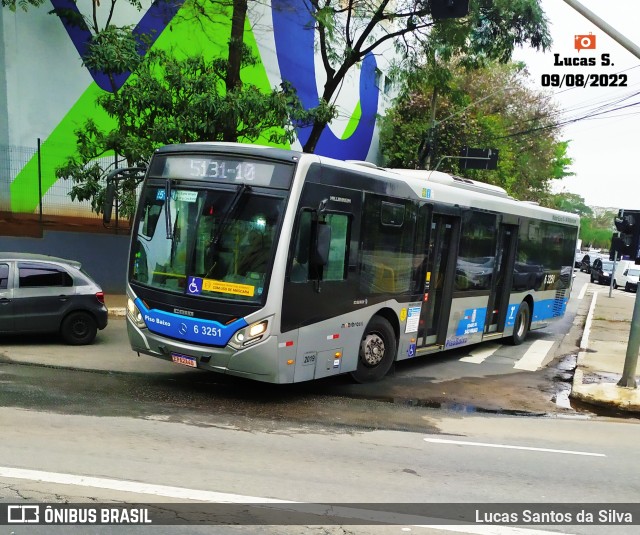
[521, 325]
[377, 351]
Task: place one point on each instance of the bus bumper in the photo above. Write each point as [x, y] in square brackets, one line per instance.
[261, 358]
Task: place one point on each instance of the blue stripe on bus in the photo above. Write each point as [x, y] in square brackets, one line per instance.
[198, 331]
[542, 310]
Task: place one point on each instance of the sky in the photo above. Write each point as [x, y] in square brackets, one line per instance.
[606, 148]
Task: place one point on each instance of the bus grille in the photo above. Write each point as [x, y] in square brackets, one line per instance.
[558, 302]
[561, 292]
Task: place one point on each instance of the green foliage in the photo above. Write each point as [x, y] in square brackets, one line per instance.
[22, 4]
[569, 202]
[490, 33]
[489, 107]
[596, 230]
[177, 100]
[113, 50]
[347, 32]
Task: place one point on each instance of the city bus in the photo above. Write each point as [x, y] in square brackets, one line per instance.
[282, 267]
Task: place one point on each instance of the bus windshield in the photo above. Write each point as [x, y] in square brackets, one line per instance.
[210, 243]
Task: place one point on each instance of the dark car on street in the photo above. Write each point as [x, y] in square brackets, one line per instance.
[44, 294]
[601, 272]
[585, 265]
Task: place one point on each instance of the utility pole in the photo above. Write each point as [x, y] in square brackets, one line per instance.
[605, 27]
[628, 378]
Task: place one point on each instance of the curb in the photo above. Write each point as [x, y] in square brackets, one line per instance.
[608, 395]
[118, 312]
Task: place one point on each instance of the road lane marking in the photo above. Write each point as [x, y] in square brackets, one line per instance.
[583, 290]
[132, 486]
[478, 356]
[509, 447]
[584, 341]
[535, 355]
[221, 497]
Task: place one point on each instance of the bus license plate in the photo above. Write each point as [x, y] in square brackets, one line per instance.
[184, 360]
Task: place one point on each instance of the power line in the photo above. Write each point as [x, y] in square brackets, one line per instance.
[568, 121]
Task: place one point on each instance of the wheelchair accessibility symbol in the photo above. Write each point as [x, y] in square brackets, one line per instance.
[194, 285]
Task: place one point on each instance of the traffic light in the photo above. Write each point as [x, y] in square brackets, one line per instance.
[627, 241]
[449, 9]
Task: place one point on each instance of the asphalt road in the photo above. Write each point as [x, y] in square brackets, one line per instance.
[453, 459]
[163, 434]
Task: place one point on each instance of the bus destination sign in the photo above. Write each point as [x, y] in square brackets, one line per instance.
[217, 169]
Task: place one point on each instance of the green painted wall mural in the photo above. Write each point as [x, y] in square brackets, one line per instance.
[292, 60]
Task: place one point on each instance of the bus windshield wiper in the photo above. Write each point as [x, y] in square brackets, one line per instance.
[242, 189]
[167, 209]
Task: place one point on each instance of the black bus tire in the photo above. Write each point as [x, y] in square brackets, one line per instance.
[377, 351]
[521, 325]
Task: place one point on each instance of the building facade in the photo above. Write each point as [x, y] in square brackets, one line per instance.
[46, 92]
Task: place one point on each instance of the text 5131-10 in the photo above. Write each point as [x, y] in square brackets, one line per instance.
[221, 169]
[584, 80]
[205, 330]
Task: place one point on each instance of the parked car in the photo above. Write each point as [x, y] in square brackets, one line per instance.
[585, 264]
[630, 278]
[602, 272]
[40, 293]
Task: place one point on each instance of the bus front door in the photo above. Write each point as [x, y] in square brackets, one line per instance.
[502, 279]
[439, 279]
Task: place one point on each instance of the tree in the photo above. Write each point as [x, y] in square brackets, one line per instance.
[596, 230]
[569, 202]
[349, 30]
[485, 107]
[169, 100]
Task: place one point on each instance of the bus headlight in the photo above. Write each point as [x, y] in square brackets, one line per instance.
[134, 314]
[250, 335]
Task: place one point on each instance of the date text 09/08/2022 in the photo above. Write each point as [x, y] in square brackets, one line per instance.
[582, 79]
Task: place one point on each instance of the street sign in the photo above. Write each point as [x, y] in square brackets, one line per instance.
[478, 158]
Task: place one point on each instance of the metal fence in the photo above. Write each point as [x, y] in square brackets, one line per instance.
[28, 182]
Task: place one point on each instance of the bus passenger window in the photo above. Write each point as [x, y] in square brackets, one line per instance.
[474, 267]
[391, 256]
[335, 269]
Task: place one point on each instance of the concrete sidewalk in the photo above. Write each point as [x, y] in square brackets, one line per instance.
[603, 351]
[117, 304]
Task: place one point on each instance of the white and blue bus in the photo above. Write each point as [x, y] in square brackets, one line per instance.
[283, 267]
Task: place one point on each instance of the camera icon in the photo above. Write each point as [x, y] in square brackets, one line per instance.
[587, 42]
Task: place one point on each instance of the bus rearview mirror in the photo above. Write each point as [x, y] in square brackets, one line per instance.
[323, 243]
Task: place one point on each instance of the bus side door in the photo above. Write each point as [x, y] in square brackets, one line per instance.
[502, 278]
[474, 269]
[314, 295]
[439, 279]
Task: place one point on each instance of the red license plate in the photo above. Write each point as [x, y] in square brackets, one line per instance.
[184, 360]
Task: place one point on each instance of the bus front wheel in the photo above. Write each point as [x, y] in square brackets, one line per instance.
[377, 351]
[521, 325]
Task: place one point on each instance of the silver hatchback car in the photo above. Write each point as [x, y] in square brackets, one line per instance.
[43, 294]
